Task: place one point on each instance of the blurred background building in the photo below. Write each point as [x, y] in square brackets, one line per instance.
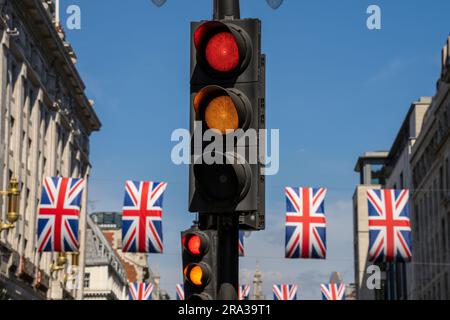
[419, 161]
[136, 265]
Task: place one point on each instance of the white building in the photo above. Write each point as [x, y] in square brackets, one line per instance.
[45, 124]
[104, 276]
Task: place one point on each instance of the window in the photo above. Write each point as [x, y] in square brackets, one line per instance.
[12, 121]
[87, 280]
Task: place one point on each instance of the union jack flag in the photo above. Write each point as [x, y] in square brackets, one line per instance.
[389, 226]
[333, 291]
[180, 292]
[58, 215]
[140, 291]
[244, 292]
[305, 223]
[142, 217]
[285, 292]
[241, 244]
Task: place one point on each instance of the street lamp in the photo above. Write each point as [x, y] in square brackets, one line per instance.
[13, 194]
[60, 263]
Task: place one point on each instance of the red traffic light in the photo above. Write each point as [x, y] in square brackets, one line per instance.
[222, 52]
[196, 244]
[223, 48]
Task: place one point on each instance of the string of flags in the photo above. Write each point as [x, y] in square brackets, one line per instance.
[333, 291]
[180, 292]
[389, 226]
[140, 291]
[285, 292]
[244, 292]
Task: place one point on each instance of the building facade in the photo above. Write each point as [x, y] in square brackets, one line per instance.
[419, 160]
[137, 267]
[104, 277]
[399, 176]
[45, 124]
[370, 168]
[258, 293]
[431, 181]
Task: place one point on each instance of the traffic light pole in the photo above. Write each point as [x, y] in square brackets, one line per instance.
[226, 9]
[227, 225]
[228, 257]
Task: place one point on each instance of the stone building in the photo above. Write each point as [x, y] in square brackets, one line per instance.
[257, 285]
[136, 265]
[370, 169]
[419, 160]
[430, 163]
[104, 276]
[399, 176]
[45, 124]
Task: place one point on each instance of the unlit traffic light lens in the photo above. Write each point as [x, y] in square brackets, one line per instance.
[222, 52]
[221, 114]
[219, 181]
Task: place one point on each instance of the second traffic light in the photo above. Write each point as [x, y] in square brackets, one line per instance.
[199, 268]
[227, 110]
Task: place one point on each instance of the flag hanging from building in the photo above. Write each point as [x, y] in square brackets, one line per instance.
[142, 217]
[180, 292]
[389, 226]
[305, 223]
[244, 292]
[58, 214]
[241, 244]
[140, 291]
[333, 291]
[285, 292]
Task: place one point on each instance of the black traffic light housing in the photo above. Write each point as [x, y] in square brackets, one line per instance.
[227, 70]
[199, 252]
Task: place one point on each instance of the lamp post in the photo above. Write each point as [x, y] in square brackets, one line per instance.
[12, 215]
[60, 263]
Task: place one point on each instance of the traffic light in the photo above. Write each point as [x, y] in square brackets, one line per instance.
[199, 269]
[227, 110]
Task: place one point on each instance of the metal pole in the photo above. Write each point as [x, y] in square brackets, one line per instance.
[226, 9]
[227, 225]
[228, 257]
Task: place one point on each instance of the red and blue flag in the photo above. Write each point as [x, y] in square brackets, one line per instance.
[333, 291]
[244, 292]
[241, 244]
[142, 217]
[180, 292]
[285, 292]
[389, 226]
[58, 214]
[305, 223]
[140, 291]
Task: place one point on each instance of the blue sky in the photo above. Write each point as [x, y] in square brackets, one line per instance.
[334, 89]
